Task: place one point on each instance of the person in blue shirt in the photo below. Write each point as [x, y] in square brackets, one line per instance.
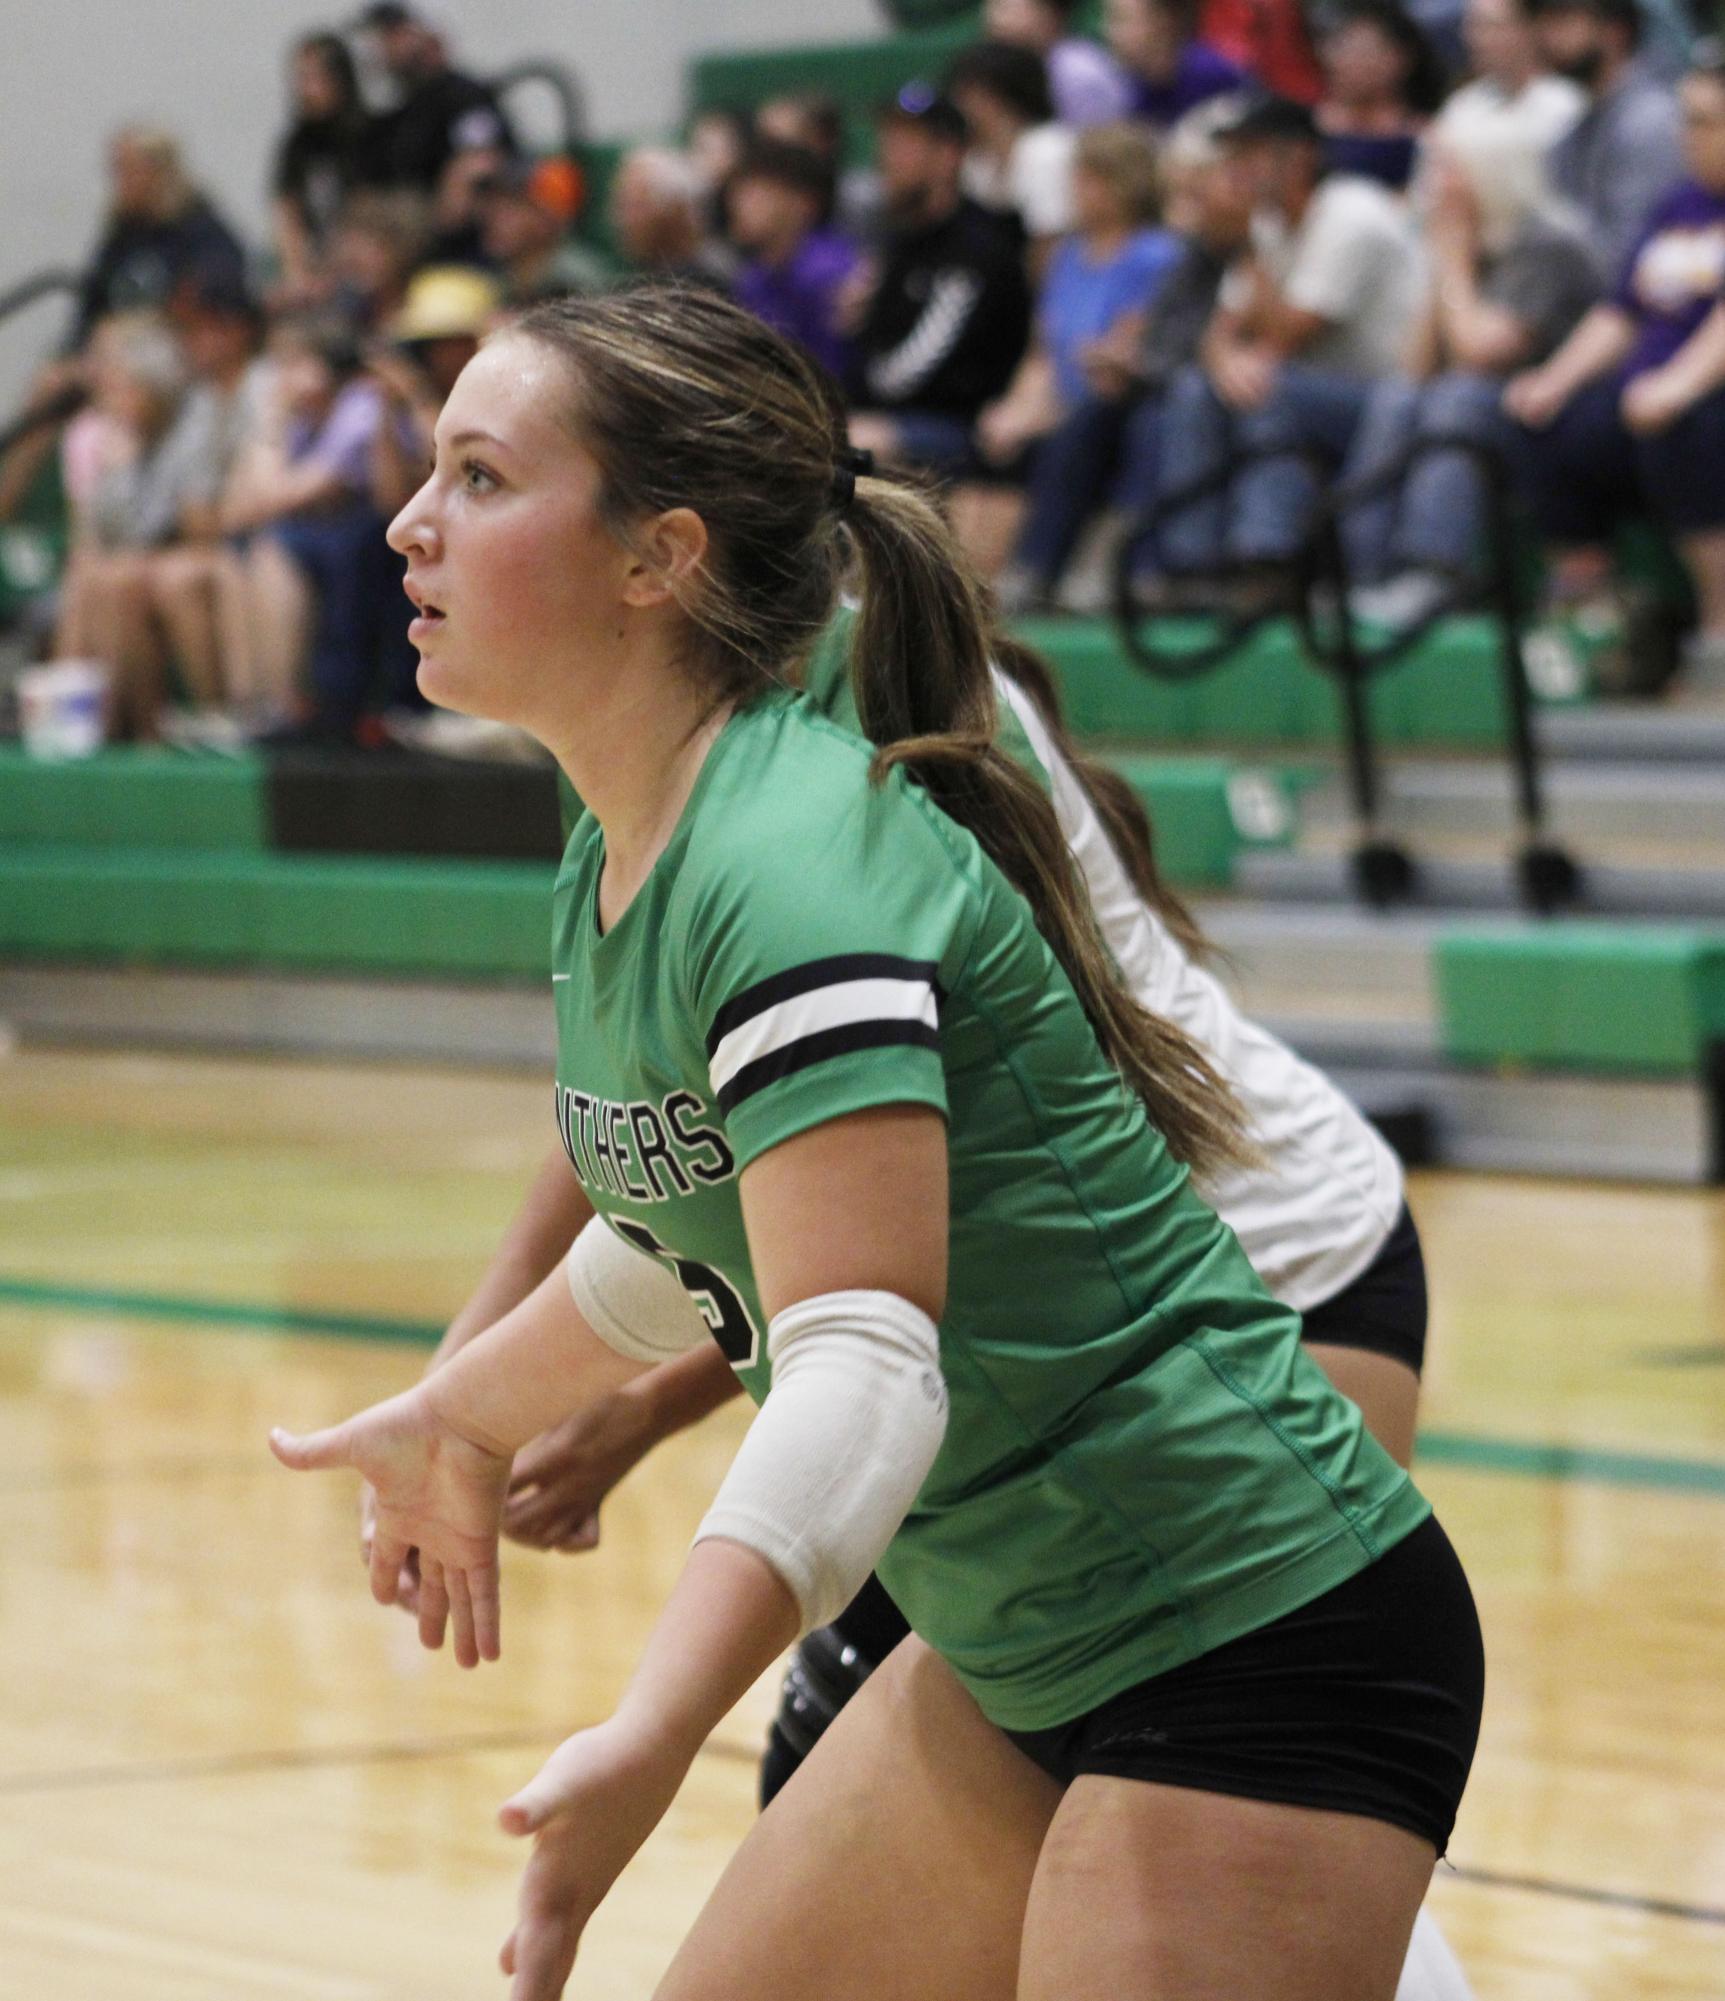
[1101, 283]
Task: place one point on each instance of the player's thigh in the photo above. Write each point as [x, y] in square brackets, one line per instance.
[894, 1866]
[1162, 1893]
[1386, 1390]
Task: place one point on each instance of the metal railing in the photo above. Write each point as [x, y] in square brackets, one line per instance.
[1320, 587]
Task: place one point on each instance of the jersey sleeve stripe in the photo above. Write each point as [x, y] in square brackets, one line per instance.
[820, 1048]
[842, 1004]
[843, 966]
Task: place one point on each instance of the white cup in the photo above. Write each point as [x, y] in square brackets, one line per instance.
[63, 708]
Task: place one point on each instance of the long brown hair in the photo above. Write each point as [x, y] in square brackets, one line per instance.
[686, 401]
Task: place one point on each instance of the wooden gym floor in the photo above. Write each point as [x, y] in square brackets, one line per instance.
[228, 1776]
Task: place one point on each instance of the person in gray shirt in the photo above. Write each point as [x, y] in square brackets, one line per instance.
[1626, 151]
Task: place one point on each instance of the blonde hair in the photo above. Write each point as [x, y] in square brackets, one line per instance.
[1126, 157]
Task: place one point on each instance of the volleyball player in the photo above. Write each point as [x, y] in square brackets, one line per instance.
[1189, 1645]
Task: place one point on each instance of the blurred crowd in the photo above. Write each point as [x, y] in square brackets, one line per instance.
[1167, 291]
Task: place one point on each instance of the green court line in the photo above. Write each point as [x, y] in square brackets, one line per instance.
[1522, 1458]
[216, 1312]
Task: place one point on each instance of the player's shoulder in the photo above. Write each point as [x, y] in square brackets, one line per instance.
[796, 793]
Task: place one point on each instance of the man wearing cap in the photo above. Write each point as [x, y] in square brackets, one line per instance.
[1626, 150]
[446, 132]
[525, 209]
[431, 340]
[948, 318]
[1319, 311]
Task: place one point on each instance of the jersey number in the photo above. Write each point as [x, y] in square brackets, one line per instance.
[721, 1306]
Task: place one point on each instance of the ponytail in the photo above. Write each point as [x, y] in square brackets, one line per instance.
[920, 673]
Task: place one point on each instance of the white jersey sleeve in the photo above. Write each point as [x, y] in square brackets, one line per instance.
[1316, 1210]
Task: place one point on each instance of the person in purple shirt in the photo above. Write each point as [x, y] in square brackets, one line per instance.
[1167, 68]
[1088, 86]
[795, 272]
[1629, 413]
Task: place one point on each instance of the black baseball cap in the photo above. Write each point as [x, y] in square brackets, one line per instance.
[1271, 117]
[1625, 13]
[921, 104]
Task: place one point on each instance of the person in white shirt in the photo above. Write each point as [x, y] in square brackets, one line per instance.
[1018, 160]
[1319, 311]
[1514, 103]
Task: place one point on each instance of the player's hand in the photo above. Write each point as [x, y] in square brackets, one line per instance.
[594, 1802]
[407, 1584]
[561, 1478]
[438, 1492]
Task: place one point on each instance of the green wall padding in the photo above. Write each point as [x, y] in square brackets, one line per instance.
[476, 920]
[1204, 811]
[1447, 691]
[134, 799]
[861, 75]
[1583, 996]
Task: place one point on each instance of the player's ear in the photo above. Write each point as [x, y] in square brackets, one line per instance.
[672, 548]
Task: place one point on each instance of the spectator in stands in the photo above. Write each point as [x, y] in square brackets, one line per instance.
[1320, 313]
[1625, 151]
[1019, 161]
[795, 274]
[525, 210]
[1382, 82]
[322, 590]
[448, 310]
[719, 136]
[1088, 87]
[1108, 447]
[816, 120]
[191, 582]
[1512, 277]
[1101, 284]
[378, 243]
[160, 228]
[124, 496]
[1514, 106]
[946, 318]
[658, 223]
[445, 134]
[1169, 68]
[1267, 40]
[1630, 411]
[318, 163]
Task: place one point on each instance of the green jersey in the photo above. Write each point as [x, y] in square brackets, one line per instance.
[1140, 1461]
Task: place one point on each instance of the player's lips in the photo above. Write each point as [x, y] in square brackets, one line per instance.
[429, 614]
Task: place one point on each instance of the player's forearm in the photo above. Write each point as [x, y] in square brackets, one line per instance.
[536, 1366]
[680, 1393]
[552, 1215]
[728, 1619]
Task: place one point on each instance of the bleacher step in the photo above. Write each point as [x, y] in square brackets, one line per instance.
[1589, 804]
[1313, 879]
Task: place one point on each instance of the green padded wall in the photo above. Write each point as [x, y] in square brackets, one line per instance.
[134, 799]
[1583, 996]
[475, 920]
[1204, 811]
[1447, 691]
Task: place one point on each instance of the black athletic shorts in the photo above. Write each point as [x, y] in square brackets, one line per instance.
[1365, 1701]
[1384, 1309]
